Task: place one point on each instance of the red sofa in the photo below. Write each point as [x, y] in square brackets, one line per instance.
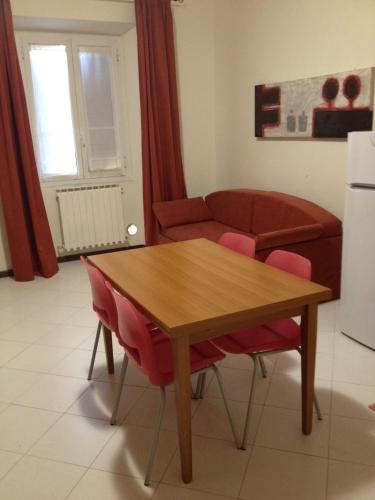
[274, 220]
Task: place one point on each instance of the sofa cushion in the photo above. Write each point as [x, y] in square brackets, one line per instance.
[273, 214]
[211, 230]
[288, 236]
[185, 211]
[233, 208]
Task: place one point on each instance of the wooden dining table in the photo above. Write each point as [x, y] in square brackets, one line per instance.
[196, 290]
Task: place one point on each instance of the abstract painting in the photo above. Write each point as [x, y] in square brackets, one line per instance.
[321, 107]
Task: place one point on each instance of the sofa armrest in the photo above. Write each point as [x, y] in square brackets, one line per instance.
[288, 236]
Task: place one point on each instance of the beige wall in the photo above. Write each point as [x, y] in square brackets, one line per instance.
[194, 33]
[265, 41]
[223, 49]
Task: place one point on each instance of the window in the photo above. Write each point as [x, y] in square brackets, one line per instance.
[73, 91]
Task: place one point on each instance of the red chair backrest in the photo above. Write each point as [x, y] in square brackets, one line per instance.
[239, 243]
[102, 300]
[290, 262]
[134, 336]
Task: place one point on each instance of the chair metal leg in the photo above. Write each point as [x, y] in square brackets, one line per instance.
[316, 402]
[94, 350]
[250, 404]
[317, 407]
[155, 437]
[221, 385]
[196, 393]
[120, 387]
[202, 376]
[262, 366]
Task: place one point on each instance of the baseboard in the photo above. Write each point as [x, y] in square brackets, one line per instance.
[6, 274]
[68, 258]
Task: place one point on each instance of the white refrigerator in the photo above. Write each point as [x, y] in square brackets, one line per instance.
[357, 307]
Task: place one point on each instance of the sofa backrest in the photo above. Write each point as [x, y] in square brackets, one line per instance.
[271, 213]
[256, 211]
[332, 226]
[233, 207]
[179, 212]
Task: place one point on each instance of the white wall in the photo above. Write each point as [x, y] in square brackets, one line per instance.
[272, 41]
[194, 33]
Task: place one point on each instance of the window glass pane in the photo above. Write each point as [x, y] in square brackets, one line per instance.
[96, 71]
[56, 149]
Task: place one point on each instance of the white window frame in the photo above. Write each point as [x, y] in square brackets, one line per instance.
[73, 42]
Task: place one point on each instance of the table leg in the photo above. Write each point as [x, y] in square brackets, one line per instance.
[181, 360]
[308, 334]
[107, 334]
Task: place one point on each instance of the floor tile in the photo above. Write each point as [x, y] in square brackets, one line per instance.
[21, 427]
[83, 317]
[133, 375]
[72, 299]
[145, 411]
[218, 467]
[237, 385]
[13, 383]
[51, 371]
[211, 420]
[352, 440]
[54, 315]
[53, 393]
[325, 342]
[6, 324]
[99, 485]
[7, 461]
[36, 479]
[289, 363]
[73, 439]
[355, 369]
[281, 429]
[26, 331]
[168, 492]
[38, 358]
[285, 392]
[352, 400]
[77, 363]
[346, 345]
[9, 350]
[348, 481]
[294, 476]
[327, 315]
[98, 401]
[68, 336]
[244, 362]
[128, 449]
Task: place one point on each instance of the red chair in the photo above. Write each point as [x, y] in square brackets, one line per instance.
[246, 246]
[104, 306]
[239, 243]
[152, 355]
[276, 336]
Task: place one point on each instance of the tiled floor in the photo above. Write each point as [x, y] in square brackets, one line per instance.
[56, 442]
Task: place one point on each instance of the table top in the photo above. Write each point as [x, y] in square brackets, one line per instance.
[197, 285]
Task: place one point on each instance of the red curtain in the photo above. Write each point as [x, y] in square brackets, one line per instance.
[163, 176]
[28, 232]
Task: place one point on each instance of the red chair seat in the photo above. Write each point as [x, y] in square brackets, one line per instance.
[202, 355]
[280, 334]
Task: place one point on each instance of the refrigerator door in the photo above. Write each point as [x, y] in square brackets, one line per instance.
[357, 309]
[361, 158]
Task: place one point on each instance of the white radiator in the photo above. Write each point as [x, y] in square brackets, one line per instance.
[91, 217]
